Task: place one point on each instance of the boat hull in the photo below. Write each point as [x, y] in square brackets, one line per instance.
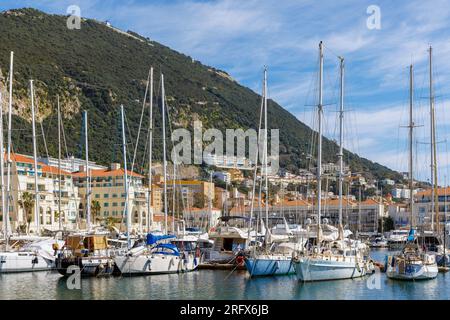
[311, 269]
[155, 264]
[413, 272]
[88, 266]
[269, 266]
[11, 262]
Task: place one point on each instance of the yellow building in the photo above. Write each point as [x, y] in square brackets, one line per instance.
[107, 188]
[189, 188]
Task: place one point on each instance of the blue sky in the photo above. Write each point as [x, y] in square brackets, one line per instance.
[242, 36]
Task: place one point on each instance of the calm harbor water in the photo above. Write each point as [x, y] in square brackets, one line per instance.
[220, 284]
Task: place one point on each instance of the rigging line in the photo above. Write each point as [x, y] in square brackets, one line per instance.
[145, 150]
[64, 137]
[129, 143]
[142, 116]
[332, 52]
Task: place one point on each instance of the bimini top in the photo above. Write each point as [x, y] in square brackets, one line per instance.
[167, 248]
[152, 238]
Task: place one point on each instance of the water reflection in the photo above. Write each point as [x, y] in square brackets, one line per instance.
[218, 284]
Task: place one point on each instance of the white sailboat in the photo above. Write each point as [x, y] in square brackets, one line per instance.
[39, 253]
[157, 256]
[412, 263]
[343, 258]
[275, 257]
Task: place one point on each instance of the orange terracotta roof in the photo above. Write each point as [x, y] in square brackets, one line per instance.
[370, 202]
[45, 168]
[440, 192]
[107, 173]
[194, 182]
[54, 170]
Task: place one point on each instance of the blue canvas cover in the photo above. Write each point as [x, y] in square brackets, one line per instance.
[411, 235]
[152, 238]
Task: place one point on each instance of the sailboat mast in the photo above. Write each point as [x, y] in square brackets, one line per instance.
[150, 146]
[59, 167]
[125, 169]
[255, 173]
[265, 149]
[163, 112]
[88, 176]
[36, 187]
[2, 161]
[341, 141]
[319, 151]
[8, 178]
[434, 196]
[411, 128]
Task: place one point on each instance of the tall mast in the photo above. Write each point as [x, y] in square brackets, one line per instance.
[341, 148]
[359, 211]
[88, 176]
[319, 152]
[59, 167]
[164, 151]
[411, 128]
[255, 172]
[173, 194]
[125, 169]
[150, 146]
[8, 179]
[2, 160]
[265, 149]
[36, 187]
[434, 196]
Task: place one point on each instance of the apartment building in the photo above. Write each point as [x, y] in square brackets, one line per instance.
[108, 189]
[23, 182]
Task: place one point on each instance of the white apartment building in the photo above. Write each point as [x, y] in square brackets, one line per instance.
[70, 164]
[23, 181]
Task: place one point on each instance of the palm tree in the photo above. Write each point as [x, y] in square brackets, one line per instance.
[27, 204]
[95, 209]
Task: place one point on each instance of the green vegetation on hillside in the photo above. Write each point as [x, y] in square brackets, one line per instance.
[97, 69]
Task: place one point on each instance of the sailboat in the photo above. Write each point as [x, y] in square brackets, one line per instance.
[157, 256]
[39, 253]
[340, 259]
[412, 263]
[275, 257]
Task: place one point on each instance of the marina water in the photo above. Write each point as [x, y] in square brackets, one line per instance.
[220, 284]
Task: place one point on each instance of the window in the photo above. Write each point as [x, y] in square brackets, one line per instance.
[106, 195]
[106, 204]
[114, 204]
[114, 195]
[97, 196]
[123, 204]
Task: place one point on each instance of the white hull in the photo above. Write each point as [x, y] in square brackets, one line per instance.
[24, 262]
[413, 271]
[155, 264]
[320, 269]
